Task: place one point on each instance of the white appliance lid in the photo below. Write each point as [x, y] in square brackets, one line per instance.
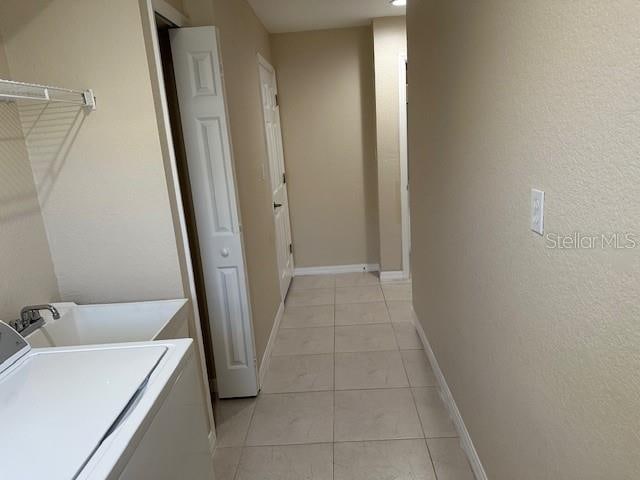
[57, 406]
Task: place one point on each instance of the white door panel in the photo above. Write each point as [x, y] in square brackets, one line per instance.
[273, 134]
[203, 113]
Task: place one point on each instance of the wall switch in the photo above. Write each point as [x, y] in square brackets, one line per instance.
[537, 211]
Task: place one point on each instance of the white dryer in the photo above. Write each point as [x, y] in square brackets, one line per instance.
[122, 411]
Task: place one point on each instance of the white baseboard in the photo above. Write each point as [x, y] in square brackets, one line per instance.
[266, 357]
[360, 267]
[212, 442]
[454, 413]
[393, 276]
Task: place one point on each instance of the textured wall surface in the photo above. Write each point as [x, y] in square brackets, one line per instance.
[25, 261]
[390, 42]
[540, 346]
[327, 99]
[100, 177]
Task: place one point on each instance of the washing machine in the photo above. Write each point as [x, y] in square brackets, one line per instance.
[122, 411]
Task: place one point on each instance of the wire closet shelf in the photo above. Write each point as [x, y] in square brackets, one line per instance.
[11, 91]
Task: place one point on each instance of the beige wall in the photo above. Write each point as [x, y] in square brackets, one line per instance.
[100, 177]
[390, 41]
[25, 262]
[177, 4]
[327, 99]
[242, 37]
[539, 346]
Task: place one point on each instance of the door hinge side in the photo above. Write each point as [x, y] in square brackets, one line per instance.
[284, 177]
[277, 100]
[291, 248]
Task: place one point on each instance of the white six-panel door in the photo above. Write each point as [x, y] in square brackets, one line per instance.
[280, 198]
[199, 82]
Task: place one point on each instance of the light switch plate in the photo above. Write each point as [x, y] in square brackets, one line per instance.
[537, 211]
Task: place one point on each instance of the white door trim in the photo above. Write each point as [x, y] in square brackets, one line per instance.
[263, 61]
[176, 199]
[165, 10]
[404, 169]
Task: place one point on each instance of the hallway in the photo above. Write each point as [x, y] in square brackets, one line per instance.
[349, 394]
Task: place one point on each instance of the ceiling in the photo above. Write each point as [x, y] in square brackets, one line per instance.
[280, 16]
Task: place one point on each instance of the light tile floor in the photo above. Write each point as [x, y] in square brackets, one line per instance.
[349, 394]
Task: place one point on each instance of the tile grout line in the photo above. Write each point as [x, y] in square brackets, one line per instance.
[413, 398]
[244, 446]
[275, 394]
[433, 465]
[253, 412]
[370, 440]
[333, 388]
[426, 444]
[333, 393]
[378, 440]
[393, 330]
[340, 442]
[237, 470]
[394, 323]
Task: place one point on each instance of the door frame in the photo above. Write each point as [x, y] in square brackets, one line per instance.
[265, 63]
[148, 9]
[404, 168]
[167, 11]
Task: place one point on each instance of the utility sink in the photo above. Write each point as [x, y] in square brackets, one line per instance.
[112, 323]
